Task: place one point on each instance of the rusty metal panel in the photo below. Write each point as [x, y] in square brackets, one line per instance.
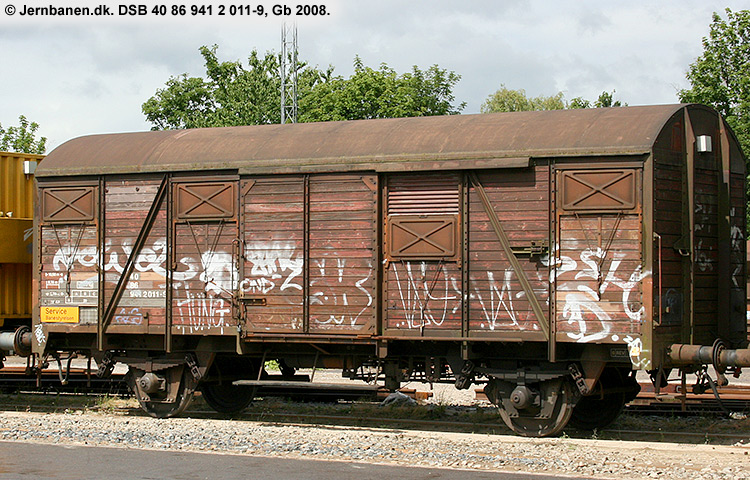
[342, 253]
[453, 142]
[126, 204]
[274, 253]
[422, 236]
[204, 201]
[587, 190]
[434, 194]
[497, 303]
[69, 204]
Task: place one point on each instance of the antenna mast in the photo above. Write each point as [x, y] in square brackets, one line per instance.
[289, 73]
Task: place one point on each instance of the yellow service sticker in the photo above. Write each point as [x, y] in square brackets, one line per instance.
[59, 314]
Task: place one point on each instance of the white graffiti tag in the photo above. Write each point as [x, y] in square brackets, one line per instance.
[585, 304]
[271, 263]
[427, 298]
[330, 289]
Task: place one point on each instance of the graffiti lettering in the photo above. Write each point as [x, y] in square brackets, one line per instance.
[582, 306]
[417, 293]
[273, 261]
[325, 294]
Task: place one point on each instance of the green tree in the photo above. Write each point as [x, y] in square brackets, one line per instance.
[22, 138]
[507, 100]
[605, 99]
[231, 94]
[720, 77]
[381, 93]
[234, 94]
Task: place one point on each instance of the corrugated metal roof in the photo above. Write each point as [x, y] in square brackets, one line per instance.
[423, 143]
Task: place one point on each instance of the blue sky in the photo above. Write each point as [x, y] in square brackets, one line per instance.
[77, 76]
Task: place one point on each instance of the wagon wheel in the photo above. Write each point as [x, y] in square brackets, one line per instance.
[218, 390]
[168, 400]
[599, 410]
[546, 411]
[227, 398]
[287, 372]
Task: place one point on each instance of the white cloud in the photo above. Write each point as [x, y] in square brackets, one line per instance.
[91, 75]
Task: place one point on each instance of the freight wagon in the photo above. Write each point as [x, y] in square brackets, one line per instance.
[16, 213]
[546, 254]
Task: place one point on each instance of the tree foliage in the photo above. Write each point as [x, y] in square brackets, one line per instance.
[605, 100]
[237, 94]
[508, 100]
[231, 94]
[720, 77]
[22, 138]
[381, 93]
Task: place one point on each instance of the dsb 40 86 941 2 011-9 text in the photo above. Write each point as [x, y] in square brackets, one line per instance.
[546, 254]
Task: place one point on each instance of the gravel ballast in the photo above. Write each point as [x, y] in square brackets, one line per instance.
[598, 458]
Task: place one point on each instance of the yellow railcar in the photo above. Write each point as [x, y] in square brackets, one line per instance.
[16, 217]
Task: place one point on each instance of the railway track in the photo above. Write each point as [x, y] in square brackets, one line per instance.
[648, 418]
[670, 401]
[658, 428]
[15, 379]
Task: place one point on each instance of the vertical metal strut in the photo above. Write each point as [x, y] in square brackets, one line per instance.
[288, 73]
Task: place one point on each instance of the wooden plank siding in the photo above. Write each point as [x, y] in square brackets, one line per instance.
[273, 243]
[204, 278]
[335, 252]
[670, 223]
[598, 261]
[68, 263]
[520, 199]
[598, 289]
[706, 241]
[423, 291]
[317, 239]
[342, 253]
[126, 205]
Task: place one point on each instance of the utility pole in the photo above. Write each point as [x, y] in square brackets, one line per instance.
[289, 73]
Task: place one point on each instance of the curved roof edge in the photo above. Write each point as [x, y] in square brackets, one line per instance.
[458, 141]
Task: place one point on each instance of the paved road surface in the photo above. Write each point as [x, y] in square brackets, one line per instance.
[36, 461]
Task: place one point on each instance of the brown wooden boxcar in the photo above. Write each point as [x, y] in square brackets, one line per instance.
[548, 254]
